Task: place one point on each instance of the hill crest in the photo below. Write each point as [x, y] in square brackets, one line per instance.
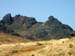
[28, 27]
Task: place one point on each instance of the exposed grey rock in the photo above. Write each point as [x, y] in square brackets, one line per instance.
[53, 21]
[18, 22]
[7, 19]
[2, 27]
[73, 33]
[51, 29]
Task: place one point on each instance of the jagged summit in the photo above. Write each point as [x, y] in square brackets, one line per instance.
[28, 21]
[28, 27]
[53, 20]
[7, 19]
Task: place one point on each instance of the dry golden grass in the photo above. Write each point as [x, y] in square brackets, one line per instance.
[7, 38]
[62, 47]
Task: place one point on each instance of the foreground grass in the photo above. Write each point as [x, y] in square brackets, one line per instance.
[62, 47]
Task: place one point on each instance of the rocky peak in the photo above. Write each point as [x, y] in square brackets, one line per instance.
[18, 19]
[7, 19]
[8, 15]
[27, 21]
[52, 20]
[31, 20]
[51, 29]
[17, 22]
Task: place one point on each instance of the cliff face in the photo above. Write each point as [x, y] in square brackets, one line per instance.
[30, 28]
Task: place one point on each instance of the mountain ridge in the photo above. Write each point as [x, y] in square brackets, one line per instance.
[30, 28]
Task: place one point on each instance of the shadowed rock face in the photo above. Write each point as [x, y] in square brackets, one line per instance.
[18, 22]
[28, 27]
[51, 29]
[22, 23]
[28, 21]
[7, 19]
[2, 27]
[52, 20]
[55, 22]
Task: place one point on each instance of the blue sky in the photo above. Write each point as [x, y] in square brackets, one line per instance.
[64, 10]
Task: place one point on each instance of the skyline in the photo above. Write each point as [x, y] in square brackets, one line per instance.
[63, 10]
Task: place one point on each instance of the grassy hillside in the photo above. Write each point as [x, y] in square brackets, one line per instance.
[62, 47]
[7, 38]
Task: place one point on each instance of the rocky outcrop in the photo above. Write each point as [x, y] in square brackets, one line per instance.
[51, 29]
[2, 27]
[7, 19]
[28, 21]
[18, 22]
[24, 26]
[53, 20]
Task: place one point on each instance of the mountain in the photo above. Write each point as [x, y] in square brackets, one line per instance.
[30, 28]
[51, 29]
[18, 22]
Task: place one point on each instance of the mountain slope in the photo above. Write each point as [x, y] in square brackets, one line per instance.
[28, 27]
[7, 38]
[51, 29]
